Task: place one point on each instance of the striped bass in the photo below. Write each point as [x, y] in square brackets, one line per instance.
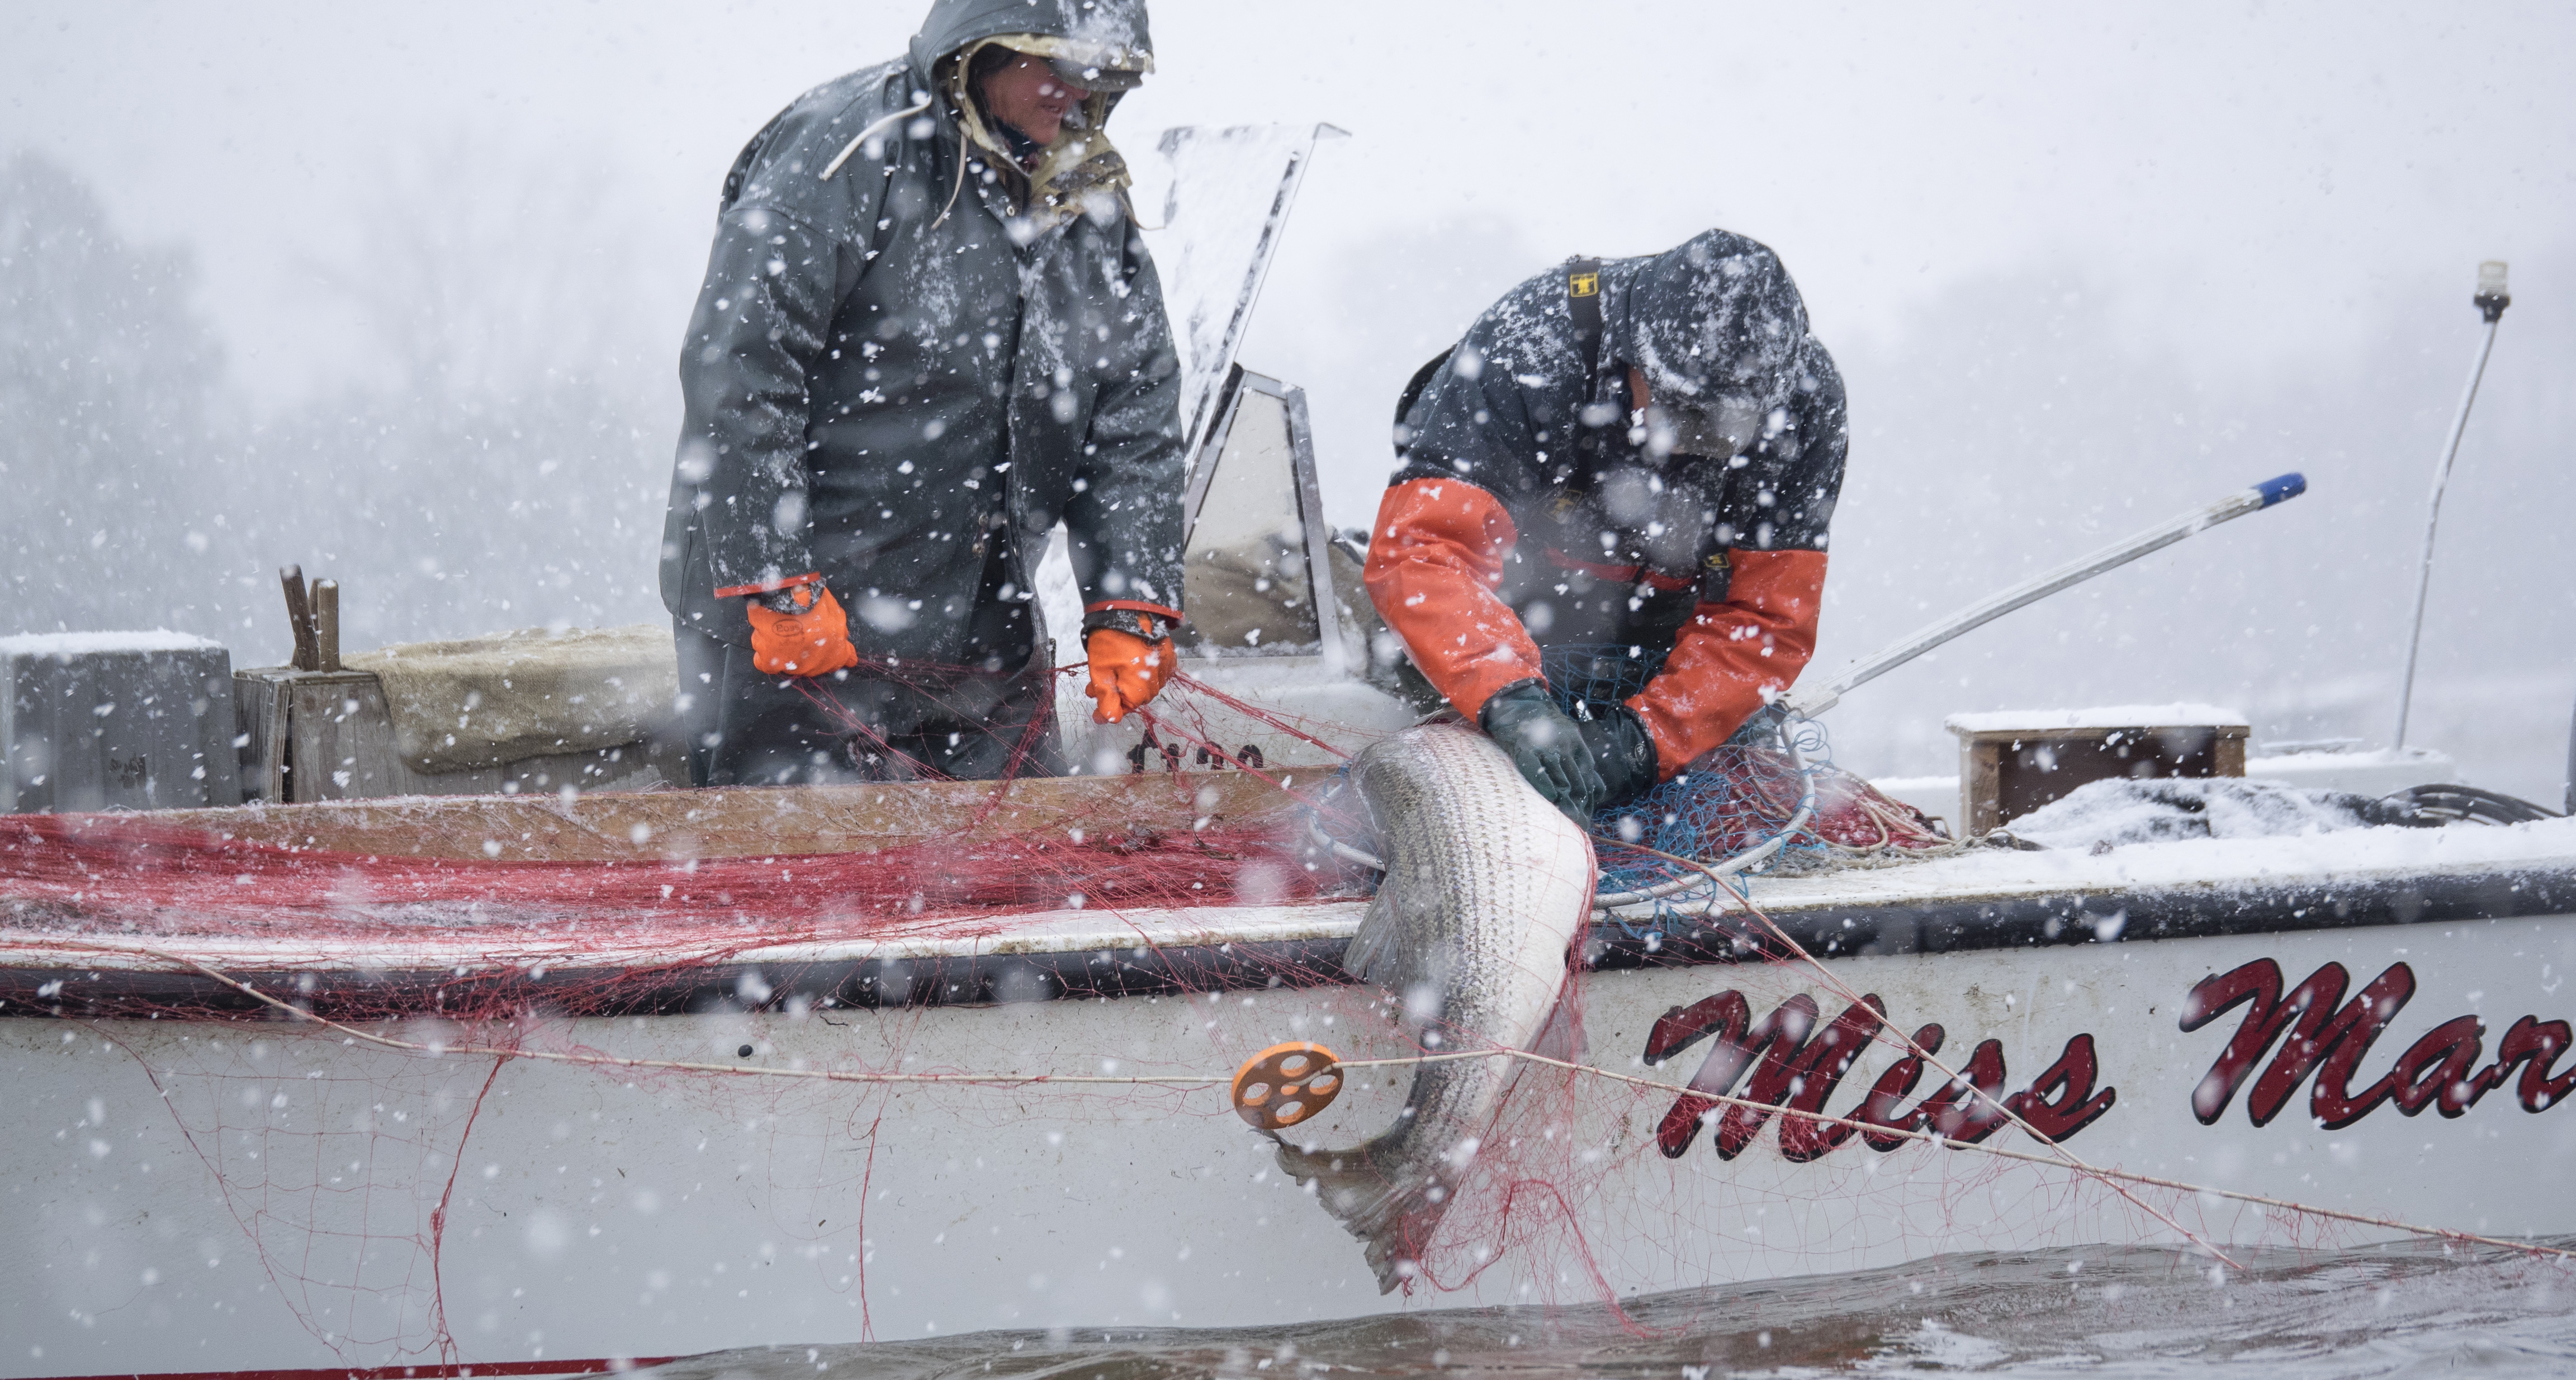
[1486, 887]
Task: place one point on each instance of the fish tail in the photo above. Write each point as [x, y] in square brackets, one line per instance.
[1366, 1189]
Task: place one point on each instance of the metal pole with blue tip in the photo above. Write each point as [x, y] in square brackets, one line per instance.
[2490, 301]
[2038, 587]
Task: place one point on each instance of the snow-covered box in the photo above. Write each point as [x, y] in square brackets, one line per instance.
[2012, 762]
[135, 720]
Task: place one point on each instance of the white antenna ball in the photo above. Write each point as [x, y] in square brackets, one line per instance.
[2491, 278]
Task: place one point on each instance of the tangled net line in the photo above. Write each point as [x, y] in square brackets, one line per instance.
[2055, 1156]
[1769, 800]
[1686, 849]
[1747, 806]
[1690, 845]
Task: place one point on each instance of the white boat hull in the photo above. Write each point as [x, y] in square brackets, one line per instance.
[235, 1195]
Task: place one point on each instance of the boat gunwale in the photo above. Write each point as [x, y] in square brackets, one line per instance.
[1298, 946]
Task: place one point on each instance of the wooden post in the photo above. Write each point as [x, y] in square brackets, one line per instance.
[2230, 749]
[1979, 795]
[261, 699]
[299, 612]
[326, 625]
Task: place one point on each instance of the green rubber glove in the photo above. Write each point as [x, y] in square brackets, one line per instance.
[1622, 752]
[1547, 746]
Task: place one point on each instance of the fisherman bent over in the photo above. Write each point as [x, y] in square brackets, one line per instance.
[928, 333]
[1629, 464]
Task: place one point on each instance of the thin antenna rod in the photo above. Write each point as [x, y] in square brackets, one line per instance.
[2491, 300]
[2261, 496]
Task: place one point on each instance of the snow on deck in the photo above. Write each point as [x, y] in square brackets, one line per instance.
[2347, 856]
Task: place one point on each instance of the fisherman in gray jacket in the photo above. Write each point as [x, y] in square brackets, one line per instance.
[928, 333]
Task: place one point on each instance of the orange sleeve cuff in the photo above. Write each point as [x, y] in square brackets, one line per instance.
[1167, 614]
[1759, 639]
[769, 586]
[1433, 562]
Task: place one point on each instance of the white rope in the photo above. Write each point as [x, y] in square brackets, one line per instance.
[853, 146]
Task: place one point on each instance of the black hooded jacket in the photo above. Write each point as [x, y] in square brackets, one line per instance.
[1618, 544]
[1548, 525]
[894, 366]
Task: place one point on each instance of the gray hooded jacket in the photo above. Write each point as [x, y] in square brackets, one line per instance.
[896, 362]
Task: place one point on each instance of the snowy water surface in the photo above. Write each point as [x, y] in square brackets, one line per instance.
[2389, 1310]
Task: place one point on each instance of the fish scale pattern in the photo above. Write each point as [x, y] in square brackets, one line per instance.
[1486, 887]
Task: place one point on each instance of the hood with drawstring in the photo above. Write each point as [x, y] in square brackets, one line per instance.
[1104, 33]
[910, 359]
[1081, 166]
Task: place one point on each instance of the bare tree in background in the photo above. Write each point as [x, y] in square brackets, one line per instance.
[108, 382]
[499, 462]
[505, 464]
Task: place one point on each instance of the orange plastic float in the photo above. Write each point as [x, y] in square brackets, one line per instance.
[1286, 1084]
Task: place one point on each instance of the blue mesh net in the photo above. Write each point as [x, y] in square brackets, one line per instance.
[1742, 794]
[1600, 673]
[1738, 797]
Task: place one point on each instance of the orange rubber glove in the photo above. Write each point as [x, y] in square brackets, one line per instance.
[814, 640]
[1126, 671]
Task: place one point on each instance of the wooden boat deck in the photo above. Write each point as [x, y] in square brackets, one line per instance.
[766, 821]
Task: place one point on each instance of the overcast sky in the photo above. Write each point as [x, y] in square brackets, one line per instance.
[2235, 190]
[2257, 174]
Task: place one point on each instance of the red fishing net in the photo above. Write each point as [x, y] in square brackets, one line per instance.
[476, 929]
[135, 876]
